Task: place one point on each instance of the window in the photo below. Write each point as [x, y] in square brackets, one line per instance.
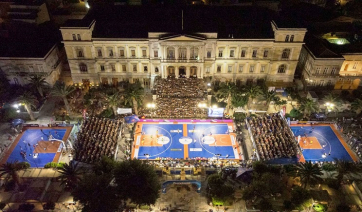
[144, 53]
[346, 67]
[182, 53]
[78, 35]
[325, 71]
[285, 54]
[124, 68]
[262, 69]
[170, 53]
[134, 68]
[292, 38]
[254, 53]
[102, 68]
[321, 83]
[156, 70]
[317, 70]
[121, 52]
[110, 51]
[220, 52]
[207, 69]
[251, 69]
[145, 68]
[265, 53]
[74, 37]
[355, 65]
[243, 52]
[41, 69]
[194, 53]
[232, 51]
[230, 69]
[133, 53]
[31, 68]
[80, 53]
[99, 52]
[241, 69]
[113, 67]
[83, 67]
[218, 69]
[333, 72]
[208, 54]
[155, 53]
[287, 38]
[281, 69]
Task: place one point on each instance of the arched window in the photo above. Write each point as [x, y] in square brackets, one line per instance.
[156, 70]
[99, 52]
[83, 67]
[80, 53]
[281, 69]
[285, 54]
[287, 38]
[292, 38]
[170, 53]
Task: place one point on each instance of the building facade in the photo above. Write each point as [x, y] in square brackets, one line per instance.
[94, 60]
[19, 70]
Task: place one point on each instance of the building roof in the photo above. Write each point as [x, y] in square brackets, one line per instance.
[136, 22]
[27, 40]
[319, 48]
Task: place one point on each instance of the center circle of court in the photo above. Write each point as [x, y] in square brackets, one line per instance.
[163, 140]
[185, 140]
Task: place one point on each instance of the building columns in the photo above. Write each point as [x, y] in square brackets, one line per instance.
[187, 72]
[176, 71]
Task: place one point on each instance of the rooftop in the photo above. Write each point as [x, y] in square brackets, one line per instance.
[136, 22]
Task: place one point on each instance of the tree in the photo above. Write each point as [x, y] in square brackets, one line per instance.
[252, 92]
[308, 106]
[11, 169]
[113, 101]
[345, 168]
[60, 90]
[96, 193]
[38, 83]
[239, 100]
[308, 172]
[137, 182]
[226, 91]
[217, 188]
[299, 196]
[269, 96]
[29, 100]
[356, 105]
[105, 166]
[293, 94]
[134, 95]
[278, 102]
[70, 175]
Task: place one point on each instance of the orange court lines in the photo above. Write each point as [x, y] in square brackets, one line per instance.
[12, 147]
[150, 140]
[311, 143]
[186, 146]
[350, 152]
[221, 140]
[302, 159]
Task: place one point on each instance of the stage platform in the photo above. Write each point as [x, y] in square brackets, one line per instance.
[183, 139]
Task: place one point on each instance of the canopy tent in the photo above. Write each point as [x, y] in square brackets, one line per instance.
[17, 122]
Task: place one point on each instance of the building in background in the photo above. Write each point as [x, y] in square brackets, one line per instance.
[236, 44]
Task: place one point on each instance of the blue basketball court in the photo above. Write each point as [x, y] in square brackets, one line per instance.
[182, 140]
[34, 146]
[322, 143]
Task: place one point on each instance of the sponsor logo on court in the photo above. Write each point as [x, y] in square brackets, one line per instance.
[176, 149]
[195, 149]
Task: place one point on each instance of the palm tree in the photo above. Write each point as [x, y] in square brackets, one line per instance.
[113, 101]
[308, 172]
[63, 91]
[308, 106]
[226, 91]
[70, 175]
[39, 83]
[239, 100]
[134, 95]
[269, 96]
[293, 94]
[252, 92]
[29, 100]
[278, 102]
[11, 169]
[346, 168]
[356, 105]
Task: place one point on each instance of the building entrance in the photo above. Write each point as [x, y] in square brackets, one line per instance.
[171, 71]
[182, 72]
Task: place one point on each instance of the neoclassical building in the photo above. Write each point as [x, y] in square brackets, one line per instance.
[139, 44]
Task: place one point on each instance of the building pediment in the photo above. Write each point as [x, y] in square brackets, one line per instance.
[180, 37]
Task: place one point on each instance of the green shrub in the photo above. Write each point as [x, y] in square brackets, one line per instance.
[328, 167]
[60, 165]
[294, 113]
[52, 165]
[24, 165]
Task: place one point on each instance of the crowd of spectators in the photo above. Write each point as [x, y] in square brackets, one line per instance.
[179, 98]
[273, 137]
[97, 138]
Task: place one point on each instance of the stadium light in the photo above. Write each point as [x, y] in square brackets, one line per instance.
[214, 106]
[202, 105]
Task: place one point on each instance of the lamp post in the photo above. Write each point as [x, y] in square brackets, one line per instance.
[151, 106]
